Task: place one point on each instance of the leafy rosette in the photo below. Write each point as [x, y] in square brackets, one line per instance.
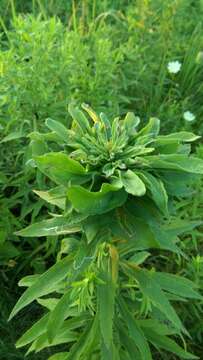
[115, 187]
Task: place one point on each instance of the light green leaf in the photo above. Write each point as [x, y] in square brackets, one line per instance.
[57, 316]
[13, 136]
[58, 128]
[29, 280]
[149, 132]
[79, 117]
[34, 332]
[43, 285]
[92, 203]
[132, 183]
[131, 122]
[48, 303]
[183, 136]
[64, 336]
[61, 169]
[56, 196]
[50, 227]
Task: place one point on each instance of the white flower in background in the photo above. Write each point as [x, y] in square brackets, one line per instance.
[188, 116]
[174, 67]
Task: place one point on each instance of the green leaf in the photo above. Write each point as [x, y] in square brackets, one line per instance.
[156, 189]
[57, 316]
[61, 169]
[153, 291]
[108, 353]
[29, 280]
[86, 341]
[64, 336]
[130, 123]
[139, 257]
[79, 118]
[48, 303]
[106, 303]
[183, 136]
[34, 332]
[13, 136]
[50, 227]
[43, 285]
[156, 325]
[128, 343]
[132, 183]
[149, 132]
[92, 203]
[168, 344]
[136, 231]
[56, 196]
[59, 356]
[135, 332]
[8, 251]
[180, 162]
[58, 128]
[176, 285]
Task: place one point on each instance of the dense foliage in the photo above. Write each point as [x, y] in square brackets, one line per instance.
[114, 187]
[119, 57]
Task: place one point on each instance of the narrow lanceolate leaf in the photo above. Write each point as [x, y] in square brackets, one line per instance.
[92, 203]
[106, 302]
[153, 291]
[50, 227]
[86, 342]
[132, 183]
[34, 332]
[43, 285]
[176, 285]
[61, 169]
[56, 196]
[59, 356]
[64, 336]
[57, 316]
[156, 190]
[108, 353]
[135, 332]
[168, 344]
